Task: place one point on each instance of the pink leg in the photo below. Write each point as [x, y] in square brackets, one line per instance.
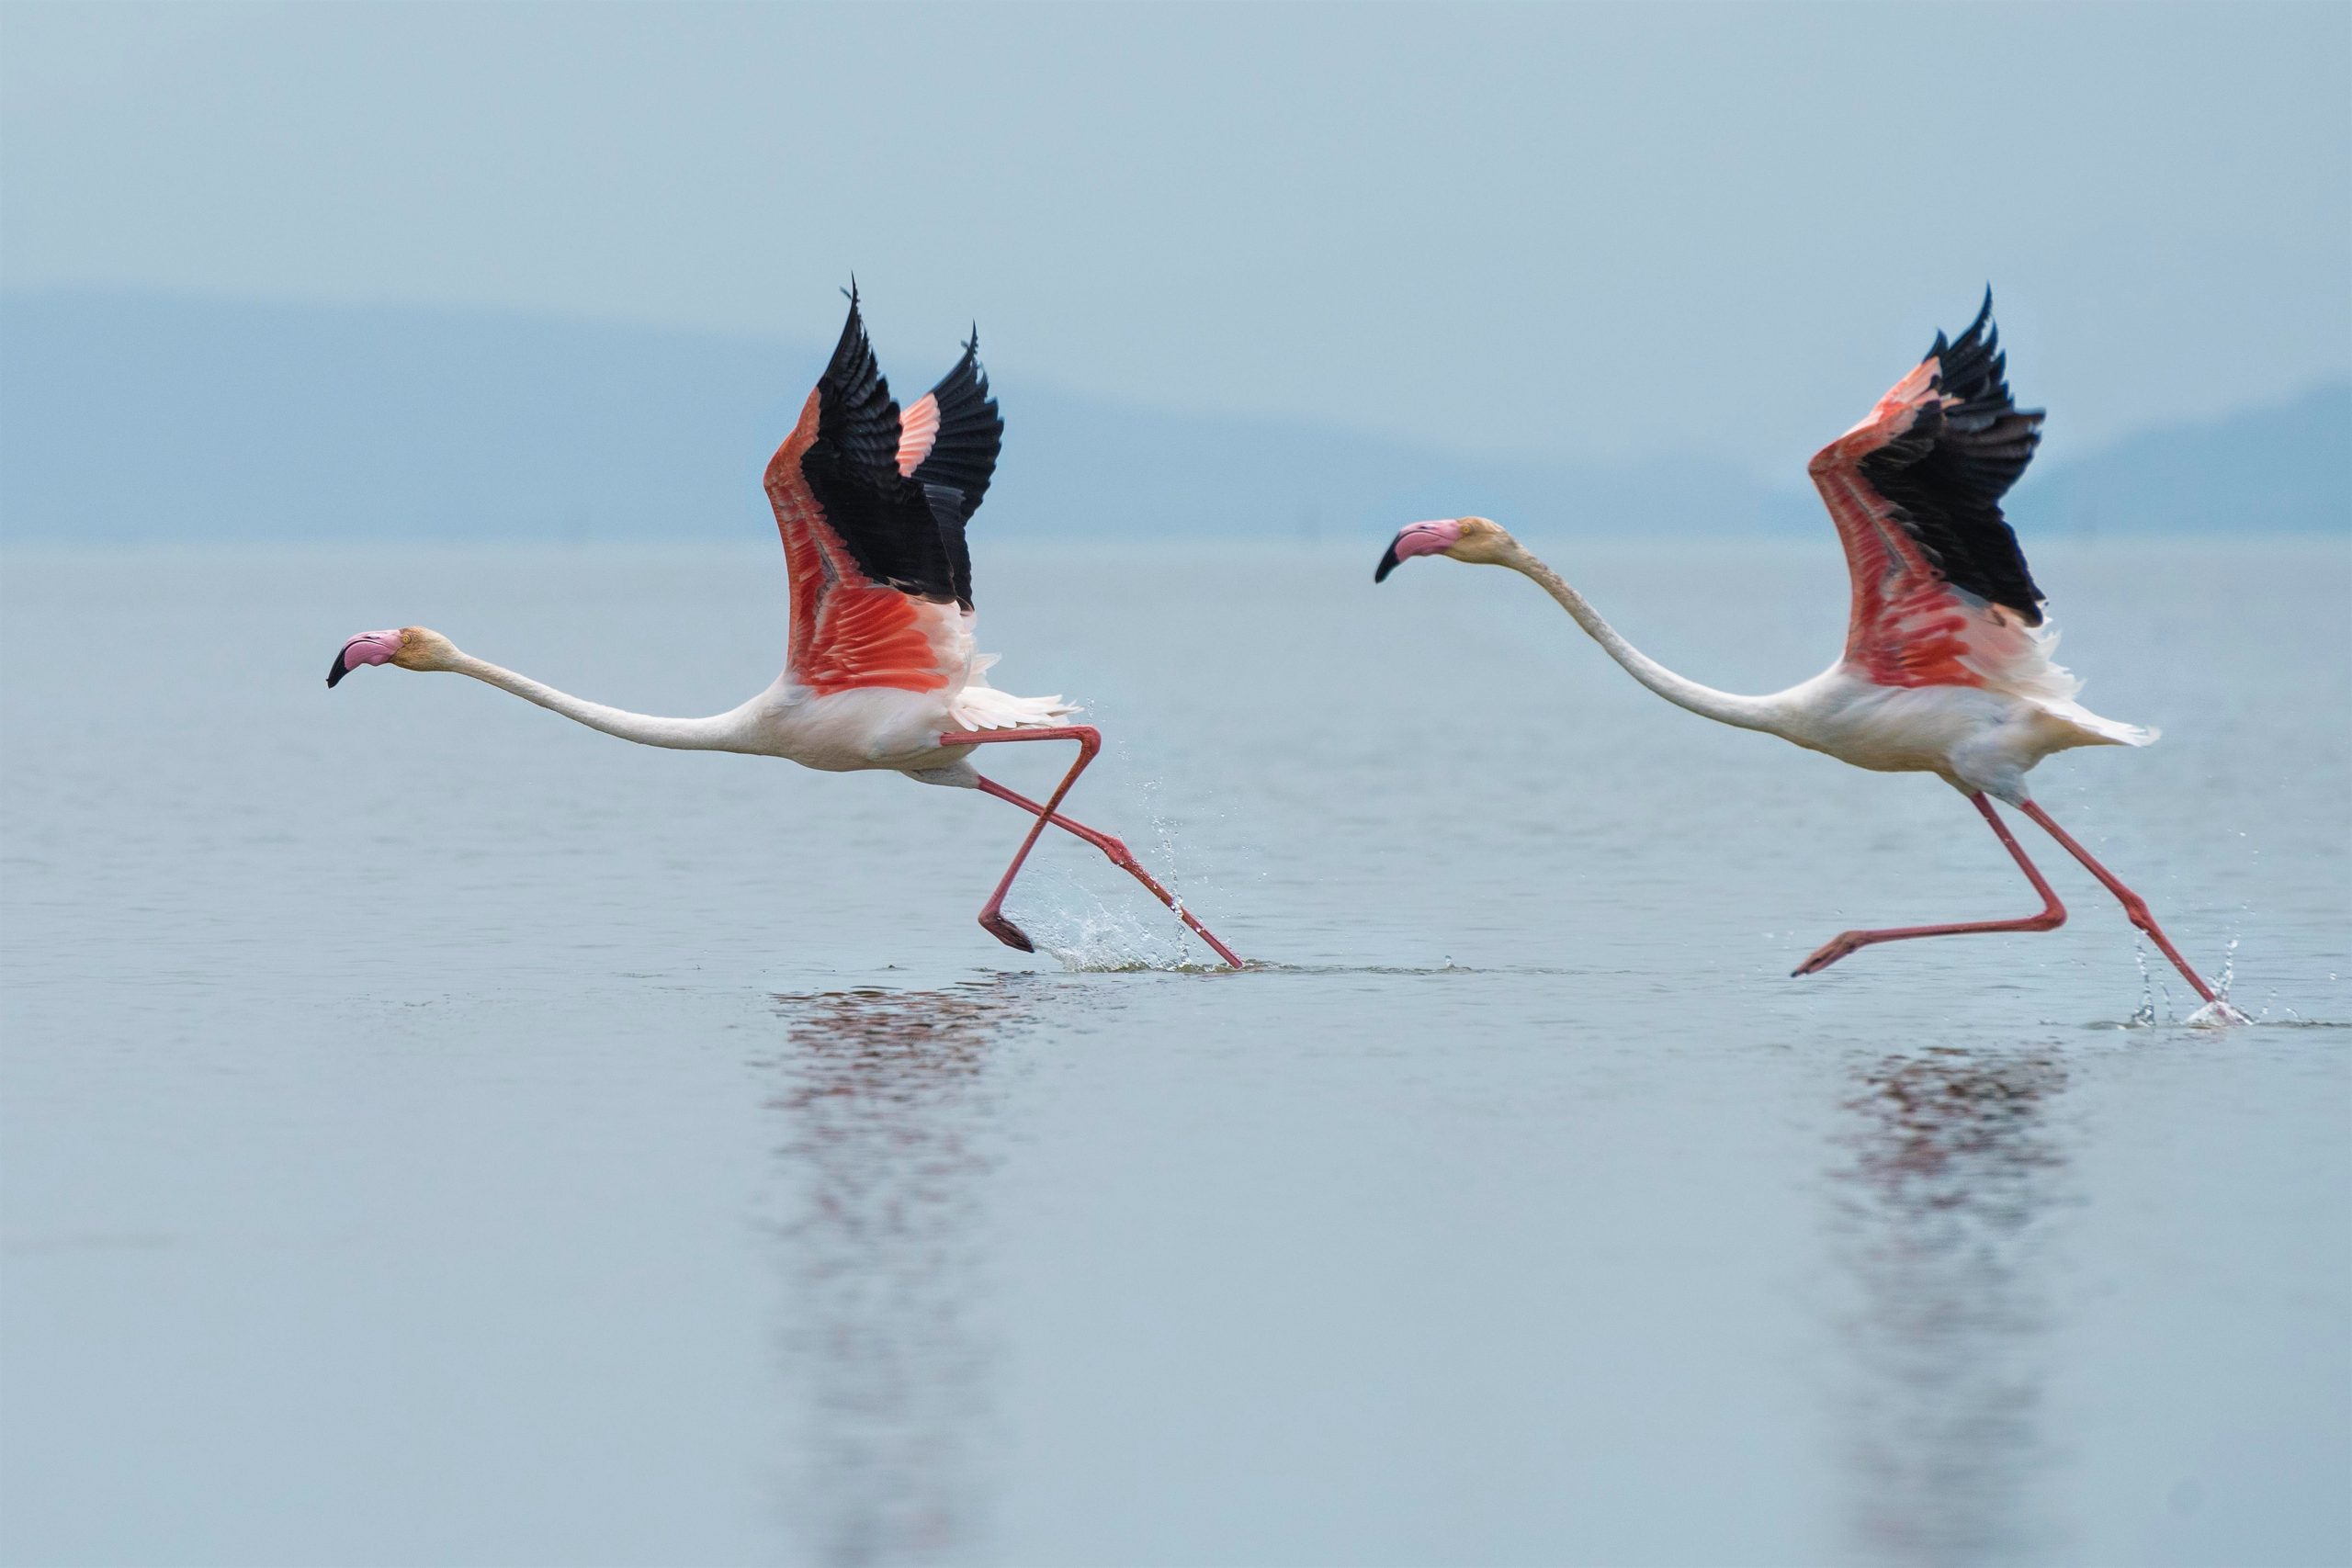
[1121, 857]
[1090, 741]
[2135, 908]
[2052, 916]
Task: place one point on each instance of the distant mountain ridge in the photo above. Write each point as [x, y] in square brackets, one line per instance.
[2283, 467]
[133, 417]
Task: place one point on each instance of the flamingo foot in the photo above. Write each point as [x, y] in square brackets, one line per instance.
[994, 922]
[2216, 1014]
[1830, 952]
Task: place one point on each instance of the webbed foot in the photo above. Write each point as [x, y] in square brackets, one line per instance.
[1829, 952]
[994, 922]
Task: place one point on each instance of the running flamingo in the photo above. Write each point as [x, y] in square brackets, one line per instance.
[880, 671]
[1947, 666]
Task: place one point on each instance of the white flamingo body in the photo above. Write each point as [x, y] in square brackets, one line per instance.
[1975, 738]
[1947, 668]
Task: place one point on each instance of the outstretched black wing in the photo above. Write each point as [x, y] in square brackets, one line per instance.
[1943, 477]
[885, 519]
[948, 443]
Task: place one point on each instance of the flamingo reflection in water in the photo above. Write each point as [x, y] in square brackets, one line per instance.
[1955, 1170]
[891, 1137]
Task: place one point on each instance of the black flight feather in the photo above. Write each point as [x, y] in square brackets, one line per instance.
[1945, 477]
[955, 473]
[886, 520]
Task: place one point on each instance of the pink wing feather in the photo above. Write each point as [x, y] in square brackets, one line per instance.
[917, 428]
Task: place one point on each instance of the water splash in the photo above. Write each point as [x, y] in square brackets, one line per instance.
[2216, 1014]
[1089, 933]
[1163, 833]
[2144, 1017]
[1101, 940]
[2155, 996]
[1086, 934]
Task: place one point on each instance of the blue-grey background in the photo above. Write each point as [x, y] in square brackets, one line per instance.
[433, 1132]
[289, 271]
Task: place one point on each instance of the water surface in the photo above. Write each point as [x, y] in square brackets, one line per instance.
[436, 1133]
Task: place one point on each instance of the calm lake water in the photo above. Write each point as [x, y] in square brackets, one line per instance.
[437, 1134]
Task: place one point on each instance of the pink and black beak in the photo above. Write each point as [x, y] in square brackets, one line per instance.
[1418, 539]
[368, 647]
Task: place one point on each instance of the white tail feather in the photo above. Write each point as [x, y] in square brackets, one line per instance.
[981, 706]
[2017, 658]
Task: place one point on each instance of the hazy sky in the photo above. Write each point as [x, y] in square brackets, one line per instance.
[1589, 231]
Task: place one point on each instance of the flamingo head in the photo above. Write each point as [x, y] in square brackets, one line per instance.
[1474, 540]
[411, 648]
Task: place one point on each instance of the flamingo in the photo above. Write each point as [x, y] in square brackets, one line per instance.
[1946, 666]
[880, 671]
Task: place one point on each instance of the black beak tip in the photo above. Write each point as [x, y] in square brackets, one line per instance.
[337, 671]
[1388, 563]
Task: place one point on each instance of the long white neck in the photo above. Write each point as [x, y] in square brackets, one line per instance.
[718, 733]
[1724, 708]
